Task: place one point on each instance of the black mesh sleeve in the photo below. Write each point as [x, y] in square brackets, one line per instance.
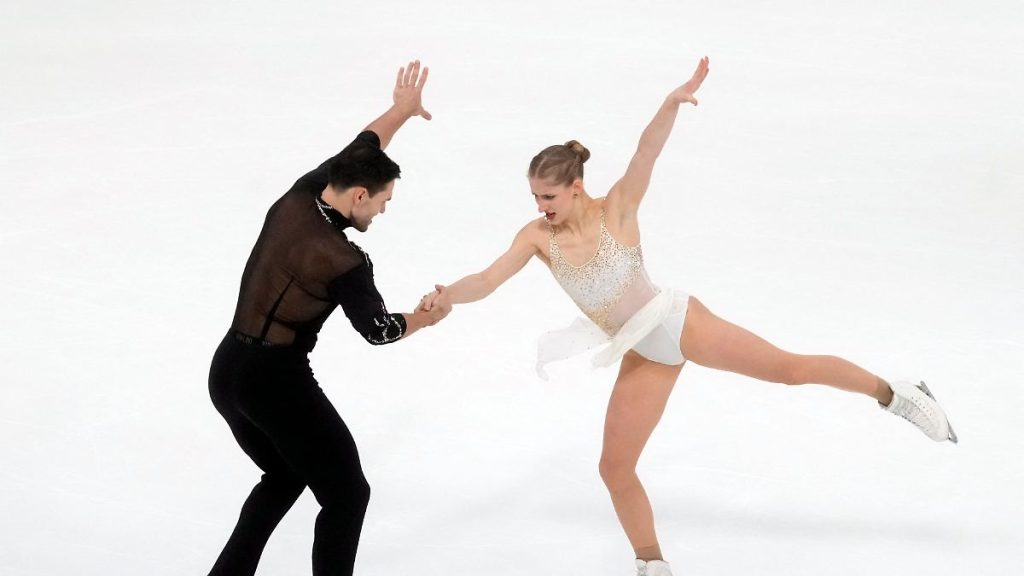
[318, 176]
[357, 295]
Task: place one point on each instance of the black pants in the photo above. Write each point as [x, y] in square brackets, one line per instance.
[282, 420]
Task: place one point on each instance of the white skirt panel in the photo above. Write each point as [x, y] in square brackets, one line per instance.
[653, 332]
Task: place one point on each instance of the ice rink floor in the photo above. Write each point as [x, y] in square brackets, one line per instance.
[852, 183]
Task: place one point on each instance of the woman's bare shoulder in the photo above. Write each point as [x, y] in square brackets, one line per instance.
[535, 230]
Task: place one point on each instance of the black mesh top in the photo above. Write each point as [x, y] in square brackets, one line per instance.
[303, 266]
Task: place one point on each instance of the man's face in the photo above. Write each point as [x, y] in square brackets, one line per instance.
[366, 207]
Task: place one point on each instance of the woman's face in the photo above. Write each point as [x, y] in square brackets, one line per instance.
[555, 201]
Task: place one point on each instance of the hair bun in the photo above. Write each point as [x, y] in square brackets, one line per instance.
[579, 149]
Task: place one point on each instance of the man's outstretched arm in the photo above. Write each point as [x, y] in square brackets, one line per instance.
[407, 103]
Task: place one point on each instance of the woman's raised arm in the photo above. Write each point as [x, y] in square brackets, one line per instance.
[626, 194]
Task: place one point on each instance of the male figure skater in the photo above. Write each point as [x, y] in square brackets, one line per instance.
[302, 267]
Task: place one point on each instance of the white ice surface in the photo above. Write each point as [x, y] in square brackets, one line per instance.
[852, 183]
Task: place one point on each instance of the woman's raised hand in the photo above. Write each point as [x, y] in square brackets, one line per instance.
[685, 92]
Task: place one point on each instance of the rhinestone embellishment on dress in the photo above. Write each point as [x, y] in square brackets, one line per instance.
[597, 285]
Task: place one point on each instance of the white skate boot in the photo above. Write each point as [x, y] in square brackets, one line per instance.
[916, 404]
[652, 568]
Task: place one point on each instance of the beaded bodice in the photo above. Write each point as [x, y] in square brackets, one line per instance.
[608, 288]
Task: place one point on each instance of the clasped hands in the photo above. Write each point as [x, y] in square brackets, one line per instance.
[436, 303]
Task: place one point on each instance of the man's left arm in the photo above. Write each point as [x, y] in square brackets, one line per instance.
[408, 102]
[358, 297]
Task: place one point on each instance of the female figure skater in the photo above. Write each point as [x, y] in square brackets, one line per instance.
[592, 246]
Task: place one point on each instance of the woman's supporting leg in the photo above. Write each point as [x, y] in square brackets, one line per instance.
[636, 405]
[715, 343]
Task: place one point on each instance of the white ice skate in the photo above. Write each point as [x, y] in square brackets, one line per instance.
[652, 568]
[916, 404]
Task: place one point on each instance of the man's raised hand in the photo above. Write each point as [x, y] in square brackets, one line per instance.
[409, 89]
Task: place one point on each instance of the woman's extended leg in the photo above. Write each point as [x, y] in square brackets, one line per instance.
[636, 405]
[713, 342]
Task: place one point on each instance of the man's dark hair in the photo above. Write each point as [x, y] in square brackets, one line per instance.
[365, 166]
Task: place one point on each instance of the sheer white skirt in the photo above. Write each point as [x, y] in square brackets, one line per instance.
[653, 332]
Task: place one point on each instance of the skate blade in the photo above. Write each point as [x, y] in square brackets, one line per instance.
[951, 436]
[924, 388]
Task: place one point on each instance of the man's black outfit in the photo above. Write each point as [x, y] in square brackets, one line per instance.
[302, 267]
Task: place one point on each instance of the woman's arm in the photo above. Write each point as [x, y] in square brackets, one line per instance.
[478, 286]
[630, 189]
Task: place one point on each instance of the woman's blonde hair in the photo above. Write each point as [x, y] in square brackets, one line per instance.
[561, 163]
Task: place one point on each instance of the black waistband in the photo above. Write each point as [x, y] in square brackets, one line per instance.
[252, 340]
